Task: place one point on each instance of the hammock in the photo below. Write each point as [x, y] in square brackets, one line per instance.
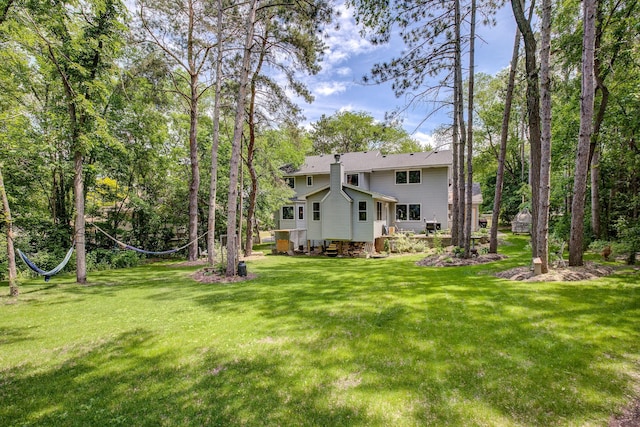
[145, 252]
[47, 274]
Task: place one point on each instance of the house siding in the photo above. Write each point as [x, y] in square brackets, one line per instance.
[335, 212]
[314, 228]
[431, 194]
[363, 231]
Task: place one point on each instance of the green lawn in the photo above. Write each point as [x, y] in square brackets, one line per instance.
[320, 342]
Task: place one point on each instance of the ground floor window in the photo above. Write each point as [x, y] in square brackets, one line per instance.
[362, 211]
[316, 211]
[378, 211]
[408, 212]
[287, 212]
[300, 212]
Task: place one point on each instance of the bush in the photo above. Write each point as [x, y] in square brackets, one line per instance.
[107, 259]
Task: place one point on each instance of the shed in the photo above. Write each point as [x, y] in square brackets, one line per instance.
[521, 223]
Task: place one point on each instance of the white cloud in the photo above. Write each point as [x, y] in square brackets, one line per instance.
[330, 88]
[345, 42]
[343, 71]
[424, 139]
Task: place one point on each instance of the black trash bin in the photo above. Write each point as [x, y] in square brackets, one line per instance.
[242, 269]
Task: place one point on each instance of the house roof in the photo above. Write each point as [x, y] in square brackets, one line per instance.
[373, 194]
[369, 161]
[476, 195]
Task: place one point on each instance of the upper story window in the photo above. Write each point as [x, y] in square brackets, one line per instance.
[362, 211]
[290, 181]
[309, 181]
[287, 212]
[409, 177]
[352, 179]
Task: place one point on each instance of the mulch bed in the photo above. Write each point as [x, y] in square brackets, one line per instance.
[448, 260]
[204, 276]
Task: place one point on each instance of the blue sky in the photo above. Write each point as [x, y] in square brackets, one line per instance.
[348, 57]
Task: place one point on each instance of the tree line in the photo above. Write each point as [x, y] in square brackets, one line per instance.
[554, 134]
[109, 113]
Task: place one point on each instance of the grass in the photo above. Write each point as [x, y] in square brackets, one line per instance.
[320, 341]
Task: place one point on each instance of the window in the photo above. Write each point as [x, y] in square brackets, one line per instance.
[290, 181]
[378, 211]
[408, 212]
[362, 211]
[352, 179]
[309, 181]
[287, 212]
[316, 211]
[300, 212]
[409, 177]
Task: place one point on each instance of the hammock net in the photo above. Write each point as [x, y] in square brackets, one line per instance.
[47, 274]
[143, 251]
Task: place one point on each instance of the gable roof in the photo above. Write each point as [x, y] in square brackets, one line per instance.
[375, 195]
[368, 161]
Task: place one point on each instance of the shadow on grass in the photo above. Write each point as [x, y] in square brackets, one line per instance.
[126, 382]
[463, 346]
[318, 341]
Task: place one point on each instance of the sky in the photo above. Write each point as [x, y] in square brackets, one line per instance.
[338, 86]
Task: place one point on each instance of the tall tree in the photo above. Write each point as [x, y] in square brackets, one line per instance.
[504, 136]
[81, 42]
[186, 44]
[576, 239]
[533, 112]
[241, 98]
[542, 231]
[215, 143]
[470, 103]
[462, 140]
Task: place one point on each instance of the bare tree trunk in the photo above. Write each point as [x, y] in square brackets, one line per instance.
[596, 227]
[504, 136]
[11, 254]
[586, 131]
[542, 232]
[462, 140]
[194, 186]
[455, 192]
[232, 244]
[469, 201]
[533, 110]
[213, 185]
[78, 190]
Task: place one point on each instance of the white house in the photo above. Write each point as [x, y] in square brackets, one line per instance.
[359, 197]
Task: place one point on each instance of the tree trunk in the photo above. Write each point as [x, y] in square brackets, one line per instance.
[469, 201]
[533, 112]
[504, 136]
[194, 186]
[596, 227]
[542, 232]
[78, 190]
[462, 141]
[455, 192]
[215, 143]
[232, 244]
[586, 131]
[11, 254]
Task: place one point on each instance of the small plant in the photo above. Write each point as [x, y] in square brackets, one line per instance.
[458, 252]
